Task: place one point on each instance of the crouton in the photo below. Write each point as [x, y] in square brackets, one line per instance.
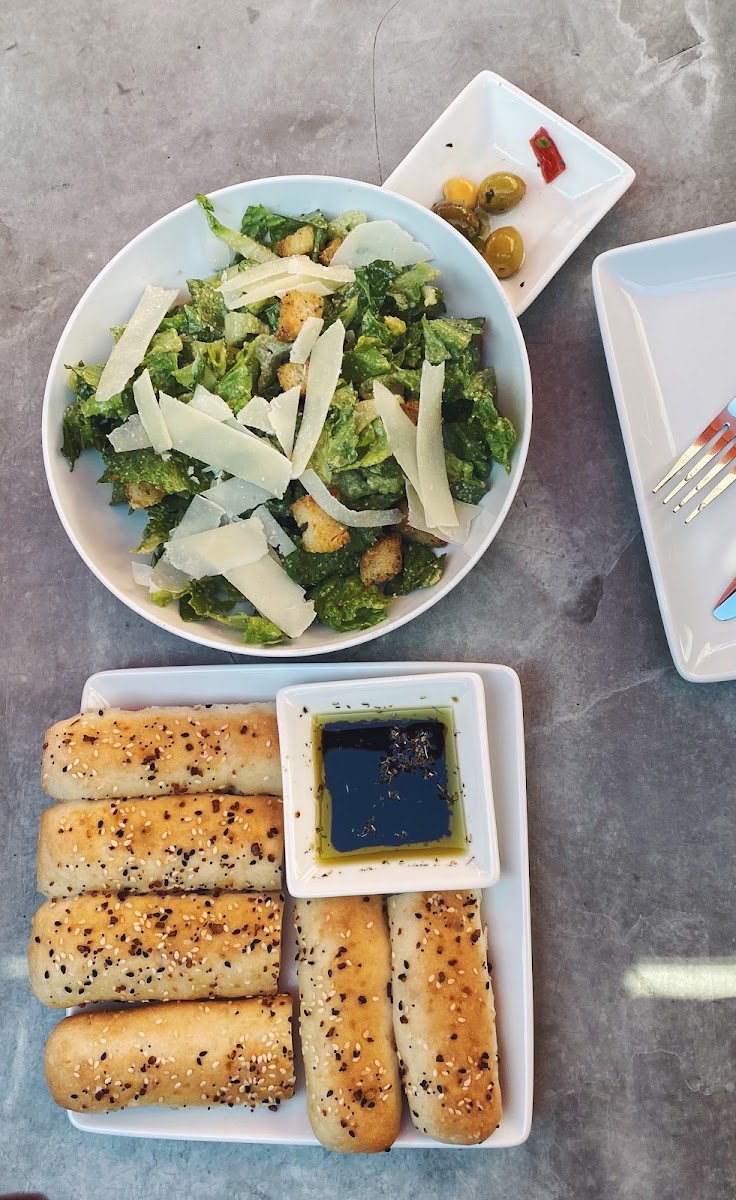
[411, 408]
[143, 495]
[327, 252]
[382, 561]
[294, 310]
[293, 375]
[323, 533]
[299, 242]
[418, 535]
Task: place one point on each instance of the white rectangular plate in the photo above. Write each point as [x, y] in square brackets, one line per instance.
[487, 128]
[506, 906]
[667, 311]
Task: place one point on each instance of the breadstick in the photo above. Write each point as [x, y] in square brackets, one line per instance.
[161, 843]
[444, 1015]
[165, 947]
[352, 1072]
[221, 1052]
[118, 753]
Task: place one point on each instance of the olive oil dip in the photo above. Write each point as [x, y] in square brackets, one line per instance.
[387, 786]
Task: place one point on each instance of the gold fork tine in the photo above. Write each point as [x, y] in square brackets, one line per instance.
[720, 443]
[727, 478]
[715, 470]
[715, 427]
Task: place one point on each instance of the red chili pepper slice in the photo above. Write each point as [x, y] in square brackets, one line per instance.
[547, 155]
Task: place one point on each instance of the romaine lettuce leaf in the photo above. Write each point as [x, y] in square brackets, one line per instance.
[144, 466]
[499, 433]
[83, 378]
[373, 447]
[256, 222]
[309, 569]
[256, 631]
[240, 243]
[240, 325]
[406, 287]
[342, 225]
[449, 337]
[366, 293]
[262, 356]
[466, 440]
[464, 483]
[213, 354]
[208, 305]
[337, 446]
[379, 486]
[421, 569]
[80, 432]
[162, 358]
[365, 361]
[346, 604]
[162, 518]
[237, 386]
[211, 596]
[261, 223]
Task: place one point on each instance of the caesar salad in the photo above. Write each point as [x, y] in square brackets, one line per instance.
[306, 431]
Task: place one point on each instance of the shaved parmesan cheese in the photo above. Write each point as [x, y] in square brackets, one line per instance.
[166, 578]
[318, 287]
[283, 414]
[379, 239]
[311, 481]
[128, 353]
[305, 339]
[225, 449]
[276, 596]
[457, 534]
[236, 496]
[142, 573]
[275, 535]
[325, 364]
[434, 488]
[299, 264]
[278, 287]
[242, 280]
[296, 264]
[150, 413]
[130, 436]
[216, 551]
[201, 515]
[400, 431]
[213, 406]
[256, 413]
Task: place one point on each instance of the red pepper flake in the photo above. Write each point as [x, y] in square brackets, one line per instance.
[547, 155]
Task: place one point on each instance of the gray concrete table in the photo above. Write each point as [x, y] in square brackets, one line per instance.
[115, 113]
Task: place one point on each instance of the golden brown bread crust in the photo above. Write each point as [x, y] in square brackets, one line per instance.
[172, 947]
[161, 843]
[444, 1016]
[221, 1052]
[118, 753]
[352, 1072]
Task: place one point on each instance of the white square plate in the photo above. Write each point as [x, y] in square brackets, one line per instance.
[487, 128]
[460, 693]
[667, 311]
[505, 908]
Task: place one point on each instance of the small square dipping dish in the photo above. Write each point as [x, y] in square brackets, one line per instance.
[487, 128]
[298, 708]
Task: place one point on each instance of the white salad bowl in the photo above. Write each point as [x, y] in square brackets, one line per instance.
[180, 246]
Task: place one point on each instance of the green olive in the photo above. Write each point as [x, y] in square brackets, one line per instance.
[504, 251]
[500, 192]
[458, 215]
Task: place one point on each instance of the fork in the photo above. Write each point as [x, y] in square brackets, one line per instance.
[718, 443]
